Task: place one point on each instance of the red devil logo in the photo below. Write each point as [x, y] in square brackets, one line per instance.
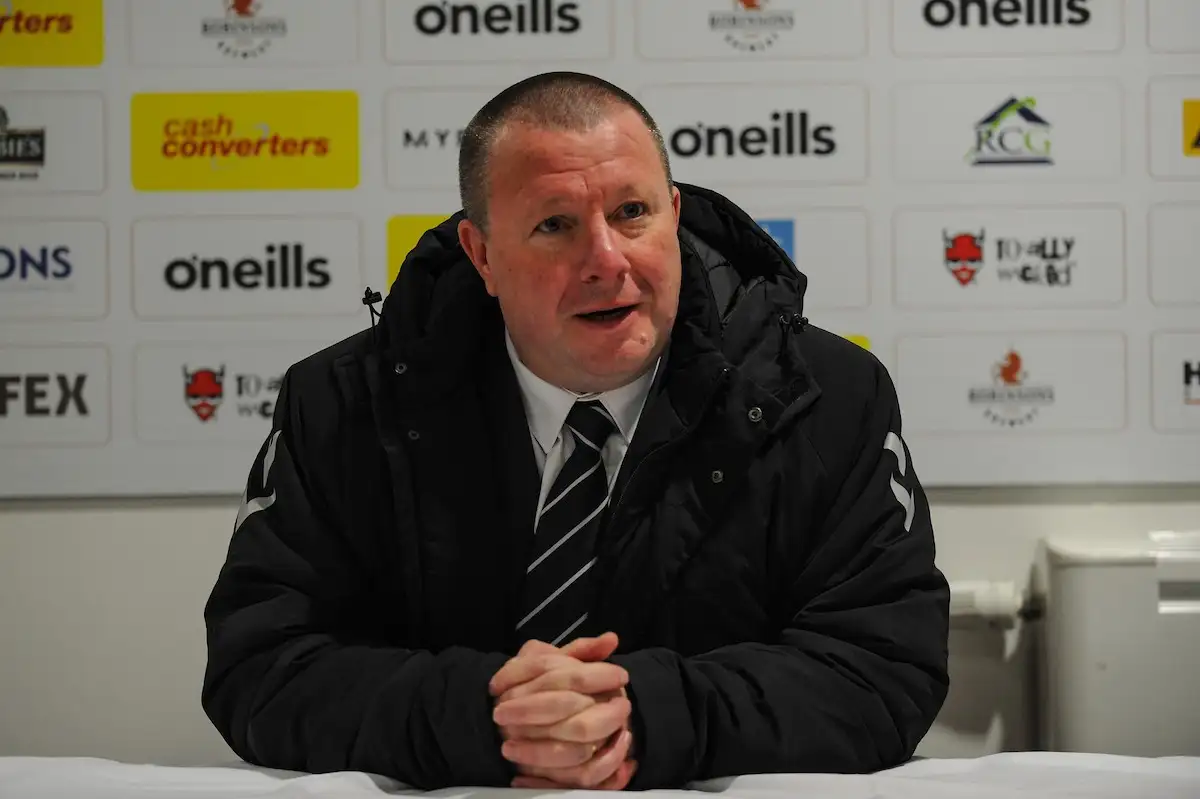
[203, 390]
[750, 5]
[964, 255]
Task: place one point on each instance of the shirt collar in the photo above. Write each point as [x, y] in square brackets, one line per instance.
[547, 405]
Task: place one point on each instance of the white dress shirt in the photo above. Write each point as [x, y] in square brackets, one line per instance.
[546, 409]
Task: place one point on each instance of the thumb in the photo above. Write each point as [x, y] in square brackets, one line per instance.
[592, 649]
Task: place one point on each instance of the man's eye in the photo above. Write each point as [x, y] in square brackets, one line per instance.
[551, 225]
[633, 210]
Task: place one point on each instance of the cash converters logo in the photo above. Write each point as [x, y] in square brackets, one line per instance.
[1191, 128]
[244, 141]
[51, 33]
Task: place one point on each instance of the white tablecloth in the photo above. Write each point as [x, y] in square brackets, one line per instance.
[1003, 776]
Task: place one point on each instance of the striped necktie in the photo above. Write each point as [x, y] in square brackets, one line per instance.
[557, 592]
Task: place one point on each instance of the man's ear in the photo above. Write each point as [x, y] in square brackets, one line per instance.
[676, 200]
[474, 244]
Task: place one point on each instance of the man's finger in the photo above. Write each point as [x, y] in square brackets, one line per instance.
[537, 756]
[621, 779]
[541, 709]
[582, 678]
[597, 770]
[594, 723]
[523, 668]
[592, 649]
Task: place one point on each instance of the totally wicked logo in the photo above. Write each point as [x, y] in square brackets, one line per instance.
[1012, 134]
[498, 19]
[204, 390]
[1040, 261]
[278, 267]
[1011, 400]
[786, 134]
[46, 33]
[751, 25]
[22, 150]
[1005, 13]
[244, 141]
[243, 32]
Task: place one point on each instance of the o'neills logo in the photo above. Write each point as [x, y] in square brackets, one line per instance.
[216, 137]
[750, 25]
[789, 134]
[1011, 400]
[280, 266]
[528, 17]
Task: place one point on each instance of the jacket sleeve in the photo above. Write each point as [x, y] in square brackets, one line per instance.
[289, 686]
[856, 678]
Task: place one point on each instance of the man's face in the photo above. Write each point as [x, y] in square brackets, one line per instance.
[581, 250]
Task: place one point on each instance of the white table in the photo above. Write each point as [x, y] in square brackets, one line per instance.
[1003, 776]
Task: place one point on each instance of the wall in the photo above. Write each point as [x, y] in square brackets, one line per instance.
[102, 639]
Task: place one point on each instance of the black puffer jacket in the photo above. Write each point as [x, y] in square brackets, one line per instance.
[768, 561]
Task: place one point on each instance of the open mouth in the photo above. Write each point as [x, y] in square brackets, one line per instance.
[608, 315]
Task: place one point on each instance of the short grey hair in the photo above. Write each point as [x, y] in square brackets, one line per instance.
[571, 101]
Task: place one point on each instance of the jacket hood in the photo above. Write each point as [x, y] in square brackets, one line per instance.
[740, 296]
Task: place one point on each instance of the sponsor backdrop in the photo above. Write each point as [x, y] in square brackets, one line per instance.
[999, 198]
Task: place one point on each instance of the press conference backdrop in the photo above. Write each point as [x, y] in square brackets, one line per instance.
[999, 198]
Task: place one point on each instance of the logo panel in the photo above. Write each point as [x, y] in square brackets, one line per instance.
[1172, 24]
[1023, 382]
[424, 127]
[1174, 240]
[246, 267]
[53, 269]
[403, 233]
[1174, 119]
[1176, 381]
[502, 30]
[288, 140]
[54, 396]
[211, 392]
[831, 247]
[750, 29]
[250, 32]
[1017, 132]
[763, 133]
[1004, 257]
[42, 149]
[1006, 27]
[51, 33]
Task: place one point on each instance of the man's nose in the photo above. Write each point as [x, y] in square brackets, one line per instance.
[604, 259]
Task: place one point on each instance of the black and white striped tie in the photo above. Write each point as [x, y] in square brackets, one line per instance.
[557, 591]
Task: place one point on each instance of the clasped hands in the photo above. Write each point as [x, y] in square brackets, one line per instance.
[563, 714]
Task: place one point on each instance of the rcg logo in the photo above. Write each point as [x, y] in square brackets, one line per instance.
[893, 443]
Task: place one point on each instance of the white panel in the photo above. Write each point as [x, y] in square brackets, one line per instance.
[687, 29]
[267, 33]
[54, 396]
[53, 142]
[53, 269]
[1176, 378]
[1046, 257]
[1174, 107]
[1007, 27]
[246, 267]
[1019, 130]
[1173, 26]
[1174, 238]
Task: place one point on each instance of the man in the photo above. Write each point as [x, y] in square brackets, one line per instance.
[592, 506]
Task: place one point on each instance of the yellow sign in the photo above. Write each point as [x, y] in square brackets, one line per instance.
[403, 233]
[862, 341]
[244, 141]
[51, 33]
[1191, 128]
